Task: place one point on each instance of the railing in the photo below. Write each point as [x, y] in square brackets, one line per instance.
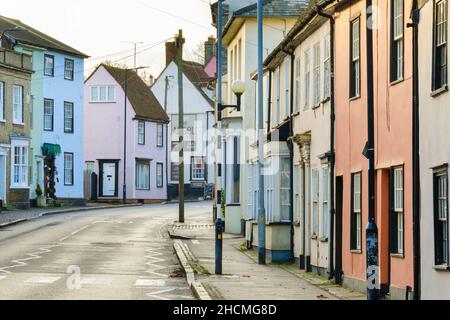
[15, 59]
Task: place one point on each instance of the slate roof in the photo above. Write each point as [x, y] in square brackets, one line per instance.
[274, 8]
[195, 72]
[144, 102]
[271, 8]
[34, 37]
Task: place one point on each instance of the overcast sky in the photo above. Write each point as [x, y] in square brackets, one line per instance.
[100, 28]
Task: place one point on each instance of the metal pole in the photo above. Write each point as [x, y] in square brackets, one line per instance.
[261, 210]
[371, 230]
[179, 43]
[167, 138]
[124, 200]
[219, 89]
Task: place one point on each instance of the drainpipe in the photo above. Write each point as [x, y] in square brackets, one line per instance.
[416, 151]
[332, 156]
[372, 271]
[290, 144]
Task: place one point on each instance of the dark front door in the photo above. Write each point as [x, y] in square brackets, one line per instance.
[339, 201]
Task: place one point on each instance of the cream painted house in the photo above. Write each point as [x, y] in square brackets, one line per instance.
[240, 39]
[434, 102]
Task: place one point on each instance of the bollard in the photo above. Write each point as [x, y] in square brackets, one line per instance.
[219, 245]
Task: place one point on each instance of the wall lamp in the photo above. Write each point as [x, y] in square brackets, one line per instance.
[238, 89]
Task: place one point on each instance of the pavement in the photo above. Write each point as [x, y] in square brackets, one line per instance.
[111, 254]
[243, 278]
[8, 217]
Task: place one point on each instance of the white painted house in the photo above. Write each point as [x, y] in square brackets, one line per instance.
[434, 102]
[240, 39]
[198, 122]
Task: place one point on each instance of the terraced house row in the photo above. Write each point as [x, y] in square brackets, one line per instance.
[355, 111]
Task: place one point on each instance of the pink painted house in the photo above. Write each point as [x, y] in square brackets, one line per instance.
[146, 133]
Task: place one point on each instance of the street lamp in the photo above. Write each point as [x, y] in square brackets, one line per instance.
[124, 189]
[238, 88]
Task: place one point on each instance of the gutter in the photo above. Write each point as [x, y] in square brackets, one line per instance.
[332, 156]
[415, 16]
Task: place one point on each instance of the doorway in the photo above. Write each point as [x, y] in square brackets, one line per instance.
[3, 178]
[339, 202]
[109, 178]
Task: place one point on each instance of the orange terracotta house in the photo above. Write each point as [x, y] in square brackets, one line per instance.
[392, 94]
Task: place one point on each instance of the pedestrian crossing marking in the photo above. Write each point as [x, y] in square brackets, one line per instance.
[149, 283]
[42, 280]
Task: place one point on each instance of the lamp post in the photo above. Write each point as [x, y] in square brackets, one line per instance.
[124, 188]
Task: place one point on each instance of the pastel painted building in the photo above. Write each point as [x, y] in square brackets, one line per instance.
[434, 102]
[198, 123]
[146, 137]
[56, 113]
[392, 91]
[240, 38]
[15, 81]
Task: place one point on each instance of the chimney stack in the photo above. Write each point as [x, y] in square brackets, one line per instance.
[171, 52]
[210, 49]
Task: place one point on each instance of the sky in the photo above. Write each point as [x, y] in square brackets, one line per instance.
[103, 28]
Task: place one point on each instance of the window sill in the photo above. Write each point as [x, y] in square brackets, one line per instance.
[2, 121]
[102, 102]
[398, 255]
[232, 205]
[395, 82]
[354, 98]
[20, 187]
[142, 189]
[439, 91]
[18, 124]
[441, 267]
[356, 251]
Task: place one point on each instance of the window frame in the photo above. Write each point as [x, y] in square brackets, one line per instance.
[397, 43]
[159, 138]
[22, 167]
[306, 80]
[143, 162]
[72, 75]
[437, 82]
[317, 74]
[2, 101]
[194, 177]
[355, 63]
[439, 248]
[52, 57]
[72, 183]
[52, 115]
[397, 244]
[67, 104]
[327, 67]
[16, 121]
[160, 183]
[141, 133]
[97, 88]
[356, 244]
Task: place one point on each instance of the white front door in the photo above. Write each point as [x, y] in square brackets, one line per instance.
[3, 178]
[109, 179]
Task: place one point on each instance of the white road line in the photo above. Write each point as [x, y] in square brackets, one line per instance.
[195, 241]
[2, 277]
[96, 281]
[42, 280]
[157, 294]
[31, 256]
[149, 283]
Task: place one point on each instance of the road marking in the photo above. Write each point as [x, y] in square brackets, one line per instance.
[195, 241]
[31, 256]
[96, 281]
[2, 277]
[149, 283]
[42, 280]
[157, 294]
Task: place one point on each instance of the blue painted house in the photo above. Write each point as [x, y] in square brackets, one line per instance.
[56, 149]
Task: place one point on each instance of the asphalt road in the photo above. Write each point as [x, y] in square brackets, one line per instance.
[122, 253]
